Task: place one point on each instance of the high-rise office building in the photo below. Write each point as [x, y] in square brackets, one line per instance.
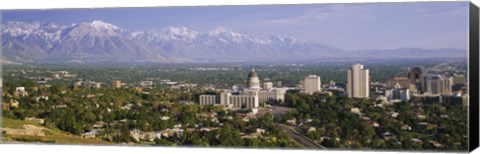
[458, 79]
[438, 84]
[358, 82]
[312, 84]
[416, 77]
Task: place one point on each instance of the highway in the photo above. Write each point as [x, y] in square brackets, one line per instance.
[279, 110]
[300, 138]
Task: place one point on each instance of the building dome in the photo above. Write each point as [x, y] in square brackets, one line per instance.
[252, 74]
[253, 82]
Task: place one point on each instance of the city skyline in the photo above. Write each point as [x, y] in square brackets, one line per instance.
[394, 76]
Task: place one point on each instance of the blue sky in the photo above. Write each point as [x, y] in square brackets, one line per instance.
[347, 26]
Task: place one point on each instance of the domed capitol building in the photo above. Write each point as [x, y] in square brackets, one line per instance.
[248, 97]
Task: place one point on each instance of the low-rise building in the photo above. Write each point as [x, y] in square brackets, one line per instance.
[20, 92]
[397, 93]
[146, 84]
[142, 136]
[356, 111]
[14, 104]
[116, 84]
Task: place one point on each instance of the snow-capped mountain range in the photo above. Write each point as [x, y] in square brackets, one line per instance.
[101, 41]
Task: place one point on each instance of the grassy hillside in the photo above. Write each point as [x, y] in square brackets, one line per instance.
[52, 135]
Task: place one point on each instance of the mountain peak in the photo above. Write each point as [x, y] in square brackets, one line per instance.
[179, 32]
[103, 25]
[16, 28]
[223, 30]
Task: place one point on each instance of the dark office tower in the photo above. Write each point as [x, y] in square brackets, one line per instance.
[416, 78]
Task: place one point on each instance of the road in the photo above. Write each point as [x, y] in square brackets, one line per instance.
[300, 138]
[279, 110]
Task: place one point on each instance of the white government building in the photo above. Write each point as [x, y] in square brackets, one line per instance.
[250, 97]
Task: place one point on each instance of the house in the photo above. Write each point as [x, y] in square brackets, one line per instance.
[89, 135]
[416, 140]
[419, 116]
[261, 131]
[214, 119]
[291, 121]
[142, 136]
[356, 111]
[14, 104]
[325, 138]
[99, 125]
[206, 115]
[205, 129]
[59, 106]
[431, 126]
[158, 135]
[135, 134]
[170, 132]
[177, 126]
[5, 107]
[127, 106]
[190, 129]
[389, 136]
[165, 118]
[374, 124]
[366, 118]
[146, 84]
[312, 129]
[436, 144]
[394, 114]
[20, 91]
[423, 124]
[42, 98]
[92, 134]
[406, 127]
